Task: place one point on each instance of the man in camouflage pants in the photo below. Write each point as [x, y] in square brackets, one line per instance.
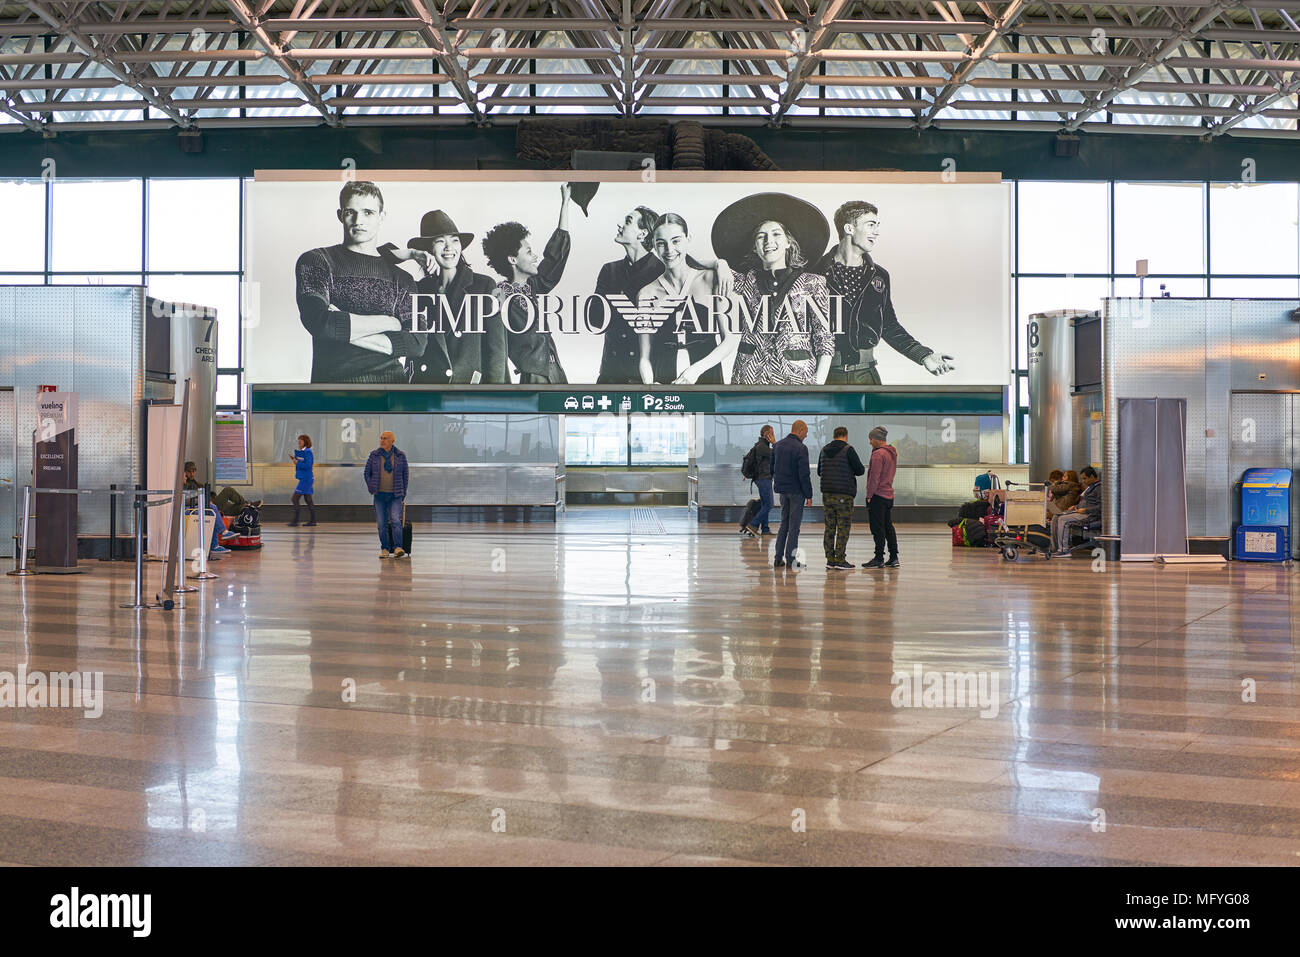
[839, 466]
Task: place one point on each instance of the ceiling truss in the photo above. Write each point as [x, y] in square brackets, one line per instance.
[1209, 69]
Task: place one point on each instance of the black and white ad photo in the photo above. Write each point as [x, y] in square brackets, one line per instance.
[606, 279]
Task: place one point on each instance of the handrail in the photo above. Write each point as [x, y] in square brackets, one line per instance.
[106, 491]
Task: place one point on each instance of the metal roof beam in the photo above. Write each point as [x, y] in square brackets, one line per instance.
[1258, 108]
[433, 28]
[102, 54]
[1010, 14]
[818, 34]
[292, 70]
[1171, 45]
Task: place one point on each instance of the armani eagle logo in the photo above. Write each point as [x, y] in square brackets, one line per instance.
[647, 315]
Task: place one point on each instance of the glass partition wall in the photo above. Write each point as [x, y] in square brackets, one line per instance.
[1072, 244]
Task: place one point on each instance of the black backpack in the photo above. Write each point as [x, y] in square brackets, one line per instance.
[976, 509]
[748, 464]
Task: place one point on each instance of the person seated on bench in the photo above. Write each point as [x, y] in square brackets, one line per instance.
[219, 533]
[1087, 512]
[1053, 506]
[1064, 495]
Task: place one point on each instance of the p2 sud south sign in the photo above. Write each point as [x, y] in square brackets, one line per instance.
[625, 403]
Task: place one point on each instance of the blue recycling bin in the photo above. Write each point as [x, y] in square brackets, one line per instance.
[1265, 531]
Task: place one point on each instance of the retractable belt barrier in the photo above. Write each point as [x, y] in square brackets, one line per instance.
[139, 503]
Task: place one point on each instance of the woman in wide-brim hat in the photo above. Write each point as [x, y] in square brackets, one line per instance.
[767, 233]
[463, 358]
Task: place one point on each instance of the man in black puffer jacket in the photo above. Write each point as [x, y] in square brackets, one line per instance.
[762, 477]
[839, 466]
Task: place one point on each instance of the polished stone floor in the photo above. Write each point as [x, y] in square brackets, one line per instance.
[625, 688]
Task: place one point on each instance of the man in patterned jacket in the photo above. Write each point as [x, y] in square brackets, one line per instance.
[867, 302]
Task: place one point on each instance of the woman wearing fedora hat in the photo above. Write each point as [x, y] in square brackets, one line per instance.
[464, 358]
[766, 232]
[670, 240]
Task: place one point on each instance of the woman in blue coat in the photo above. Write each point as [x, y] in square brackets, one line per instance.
[302, 470]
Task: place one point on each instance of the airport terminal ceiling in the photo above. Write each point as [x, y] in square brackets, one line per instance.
[1208, 70]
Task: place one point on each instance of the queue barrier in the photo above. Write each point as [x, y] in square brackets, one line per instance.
[139, 503]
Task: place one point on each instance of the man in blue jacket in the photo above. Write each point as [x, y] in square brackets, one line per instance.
[791, 480]
[386, 474]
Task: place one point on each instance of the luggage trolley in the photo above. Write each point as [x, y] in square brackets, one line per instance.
[1022, 525]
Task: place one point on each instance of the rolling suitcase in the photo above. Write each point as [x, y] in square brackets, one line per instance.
[406, 531]
[751, 509]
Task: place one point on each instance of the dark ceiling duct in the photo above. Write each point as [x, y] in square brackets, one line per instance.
[686, 145]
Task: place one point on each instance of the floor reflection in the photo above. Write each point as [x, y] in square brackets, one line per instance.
[638, 689]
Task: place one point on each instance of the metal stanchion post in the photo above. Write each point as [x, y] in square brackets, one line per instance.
[183, 556]
[139, 556]
[112, 522]
[21, 571]
[203, 574]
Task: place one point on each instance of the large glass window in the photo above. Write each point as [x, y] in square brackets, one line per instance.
[194, 225]
[1155, 286]
[1163, 223]
[1253, 228]
[98, 226]
[228, 392]
[1255, 288]
[1064, 227]
[636, 440]
[659, 439]
[595, 440]
[22, 242]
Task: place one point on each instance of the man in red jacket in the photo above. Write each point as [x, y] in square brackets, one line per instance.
[880, 498]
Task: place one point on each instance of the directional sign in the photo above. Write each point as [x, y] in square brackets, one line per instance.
[625, 403]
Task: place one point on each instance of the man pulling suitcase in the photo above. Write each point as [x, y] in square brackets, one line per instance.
[386, 474]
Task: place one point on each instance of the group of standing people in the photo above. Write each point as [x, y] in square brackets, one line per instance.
[784, 468]
[356, 301]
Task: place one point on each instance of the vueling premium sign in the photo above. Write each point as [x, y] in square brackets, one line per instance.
[55, 454]
[56, 412]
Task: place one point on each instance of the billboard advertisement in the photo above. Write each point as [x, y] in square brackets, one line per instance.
[551, 279]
